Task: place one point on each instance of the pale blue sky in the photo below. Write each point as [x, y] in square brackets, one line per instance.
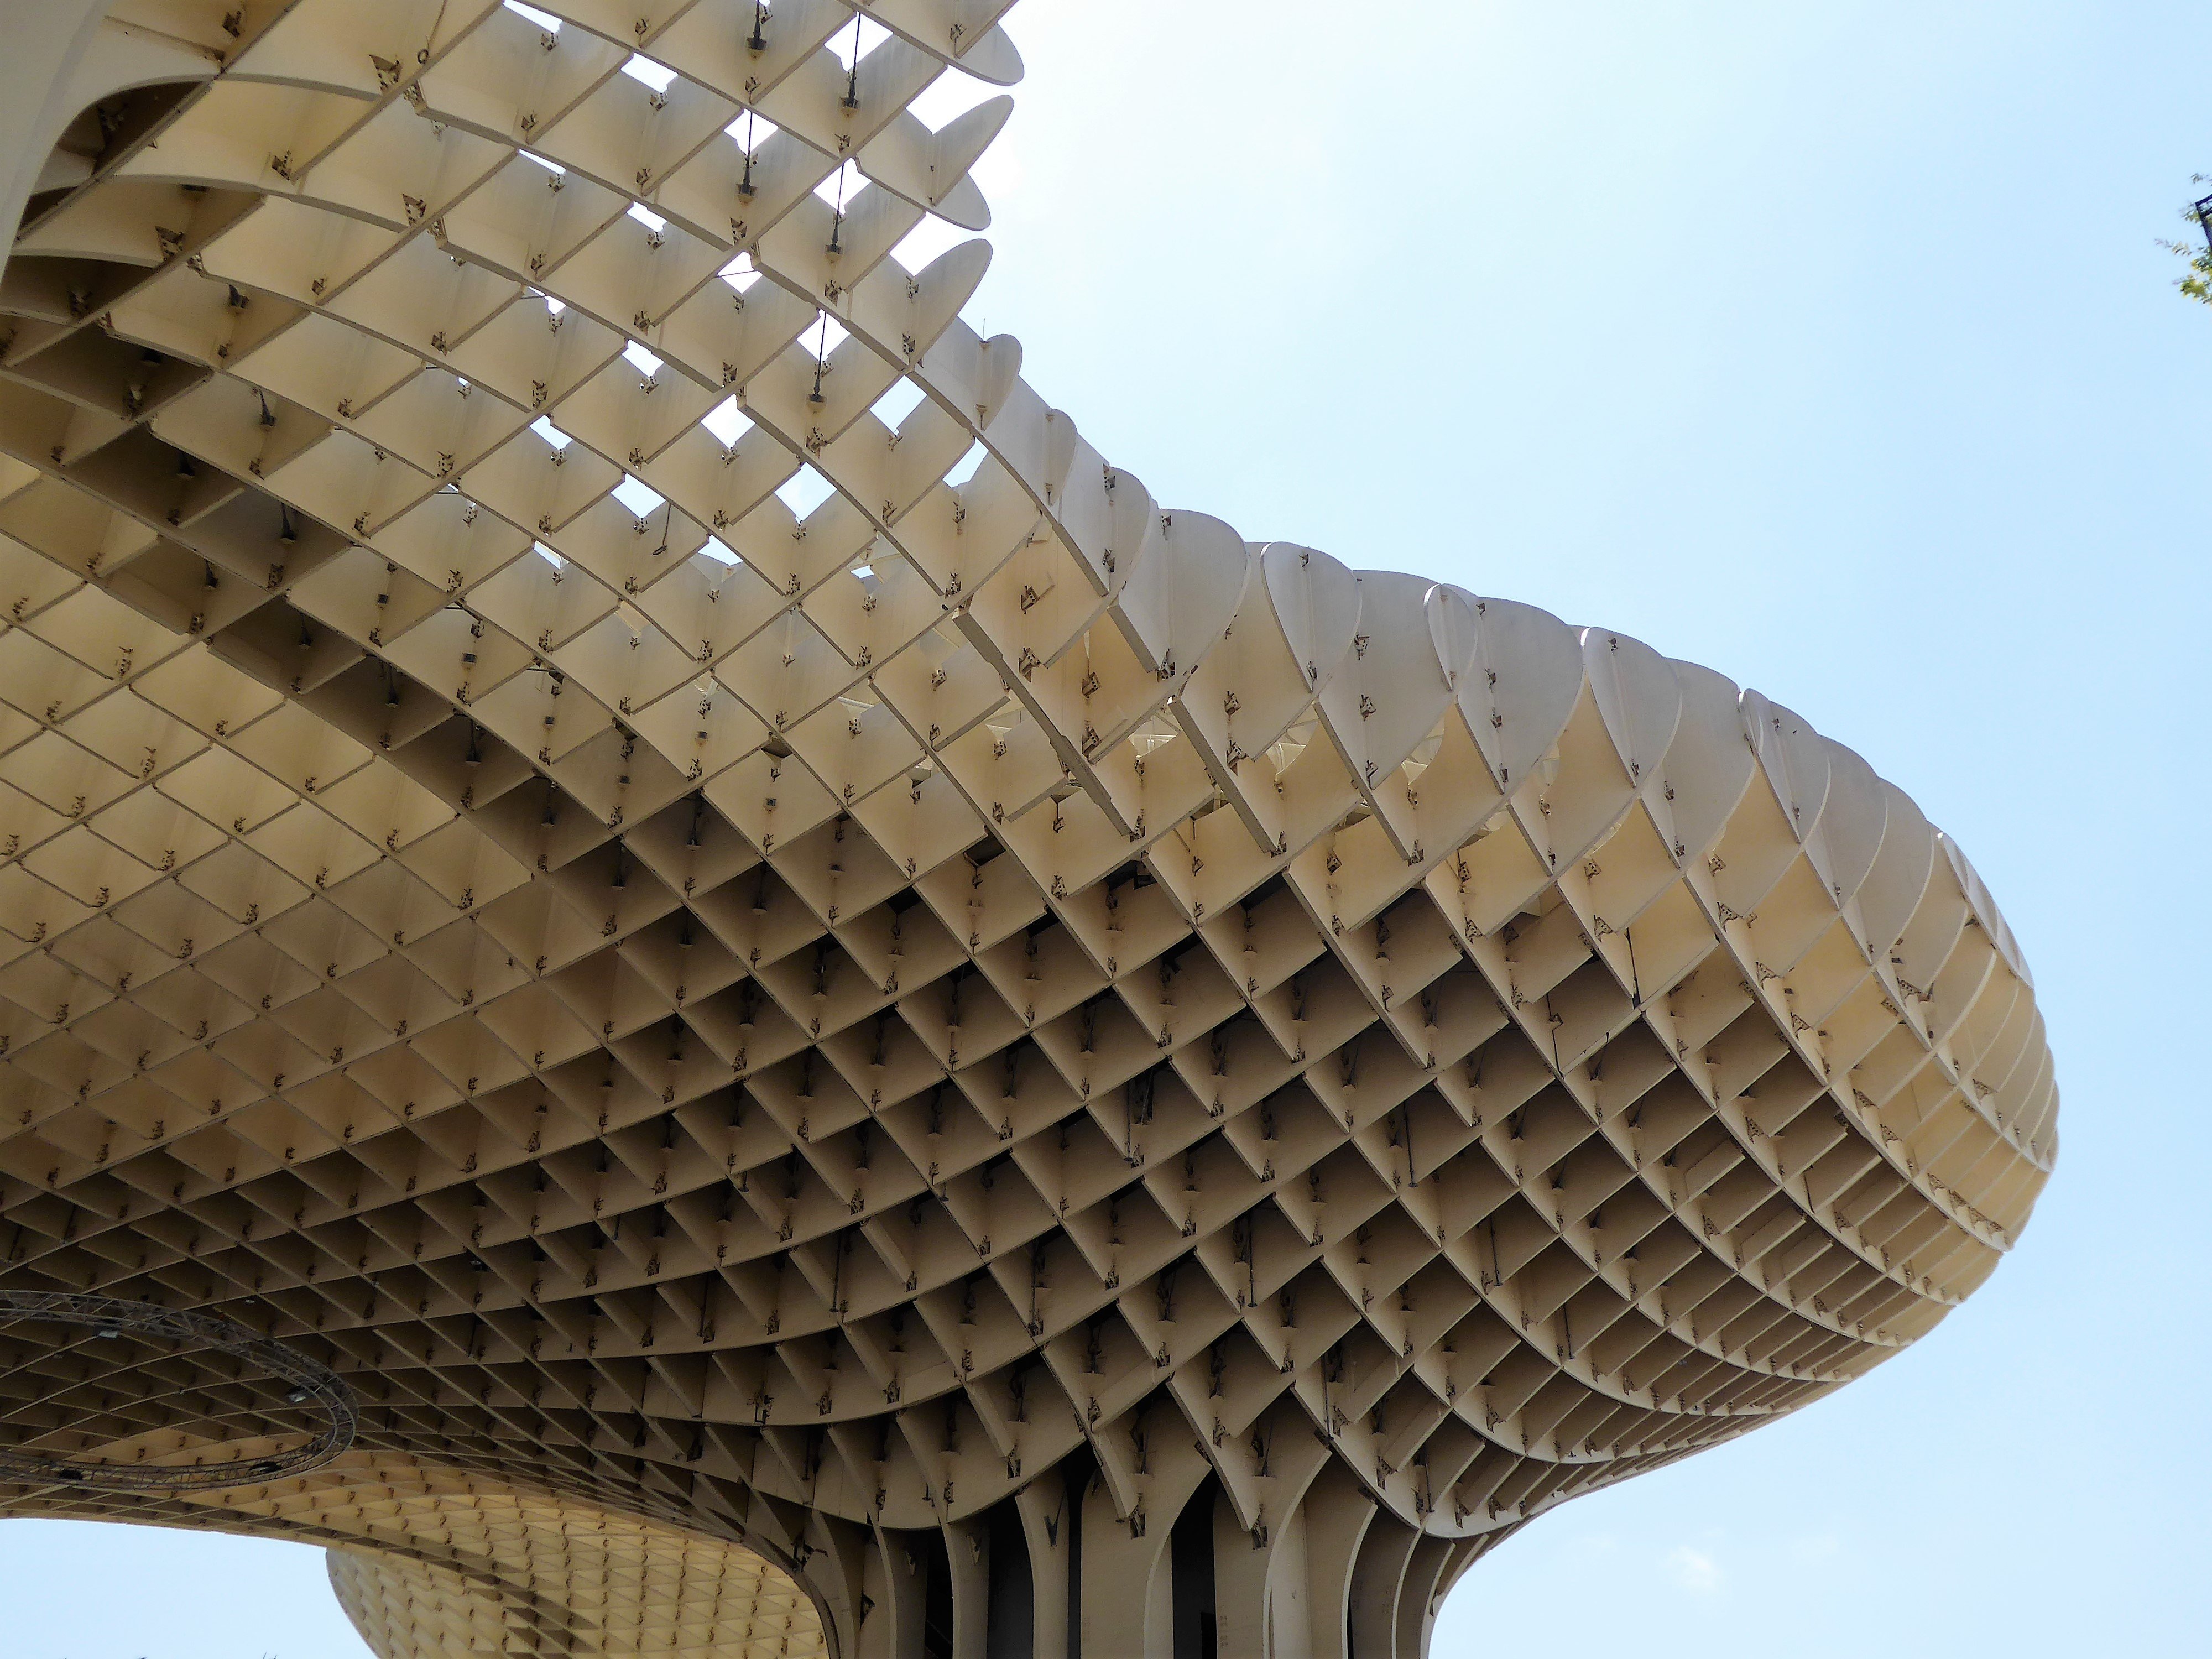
[1824, 344]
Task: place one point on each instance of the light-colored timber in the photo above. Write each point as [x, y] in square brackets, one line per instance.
[849, 1038]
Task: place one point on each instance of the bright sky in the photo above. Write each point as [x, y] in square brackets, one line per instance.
[1827, 345]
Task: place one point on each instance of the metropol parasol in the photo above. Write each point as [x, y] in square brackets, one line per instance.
[678, 974]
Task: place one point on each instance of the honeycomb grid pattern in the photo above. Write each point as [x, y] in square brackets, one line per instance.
[613, 828]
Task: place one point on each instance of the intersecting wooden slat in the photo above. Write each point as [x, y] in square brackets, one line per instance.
[786, 1019]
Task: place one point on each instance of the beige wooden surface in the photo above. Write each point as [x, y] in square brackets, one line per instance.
[789, 1059]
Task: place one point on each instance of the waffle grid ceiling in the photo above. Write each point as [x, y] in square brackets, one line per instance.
[614, 828]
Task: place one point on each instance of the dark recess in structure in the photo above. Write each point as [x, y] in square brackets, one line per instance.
[1011, 1618]
[936, 1598]
[1077, 1470]
[1190, 1557]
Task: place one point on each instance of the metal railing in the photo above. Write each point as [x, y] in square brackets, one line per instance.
[307, 1384]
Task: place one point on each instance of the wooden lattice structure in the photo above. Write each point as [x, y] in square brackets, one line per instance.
[854, 1039]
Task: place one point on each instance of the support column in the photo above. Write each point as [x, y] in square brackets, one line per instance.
[1127, 1599]
[893, 1601]
[1047, 1513]
[1337, 1515]
[1376, 1580]
[1260, 1602]
[967, 1559]
[1417, 1594]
